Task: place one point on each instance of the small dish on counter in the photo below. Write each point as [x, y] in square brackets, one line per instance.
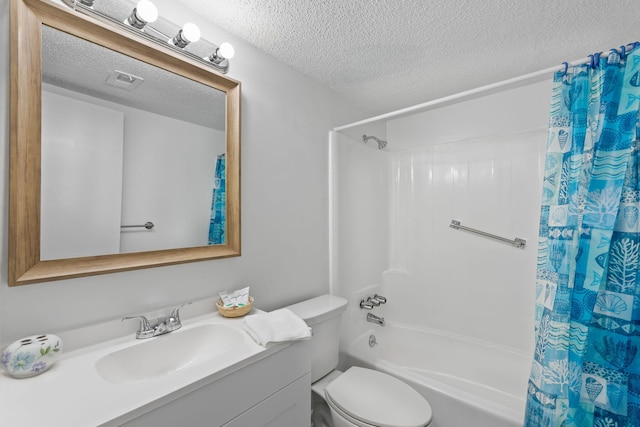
[234, 311]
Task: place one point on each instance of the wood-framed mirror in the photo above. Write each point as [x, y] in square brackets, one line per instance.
[43, 222]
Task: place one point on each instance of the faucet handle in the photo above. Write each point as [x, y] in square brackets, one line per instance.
[366, 305]
[380, 299]
[175, 313]
[173, 321]
[144, 328]
[373, 301]
[159, 326]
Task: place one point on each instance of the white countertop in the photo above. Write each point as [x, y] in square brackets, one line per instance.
[72, 393]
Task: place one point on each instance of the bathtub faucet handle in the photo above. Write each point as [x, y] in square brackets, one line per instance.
[380, 299]
[366, 305]
[373, 301]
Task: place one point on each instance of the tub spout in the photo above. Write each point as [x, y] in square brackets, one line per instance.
[375, 319]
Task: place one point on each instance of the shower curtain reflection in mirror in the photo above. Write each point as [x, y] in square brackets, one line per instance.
[218, 204]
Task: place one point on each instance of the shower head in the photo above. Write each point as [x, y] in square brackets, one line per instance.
[381, 143]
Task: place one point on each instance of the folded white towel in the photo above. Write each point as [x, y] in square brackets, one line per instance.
[276, 326]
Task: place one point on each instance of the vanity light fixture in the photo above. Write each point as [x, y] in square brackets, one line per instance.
[189, 33]
[138, 23]
[144, 13]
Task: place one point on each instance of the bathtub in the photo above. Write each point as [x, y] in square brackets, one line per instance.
[467, 382]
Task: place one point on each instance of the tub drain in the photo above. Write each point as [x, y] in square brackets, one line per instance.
[372, 341]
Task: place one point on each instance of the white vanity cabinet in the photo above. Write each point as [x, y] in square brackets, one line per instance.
[289, 407]
[274, 391]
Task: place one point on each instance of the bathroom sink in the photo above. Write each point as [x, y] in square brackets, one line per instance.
[218, 345]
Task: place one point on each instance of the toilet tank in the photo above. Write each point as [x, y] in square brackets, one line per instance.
[322, 314]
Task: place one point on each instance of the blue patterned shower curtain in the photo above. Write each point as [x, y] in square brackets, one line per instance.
[586, 367]
[218, 204]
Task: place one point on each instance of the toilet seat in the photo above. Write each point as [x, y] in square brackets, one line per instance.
[371, 398]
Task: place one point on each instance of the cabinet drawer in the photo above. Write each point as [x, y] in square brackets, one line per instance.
[290, 407]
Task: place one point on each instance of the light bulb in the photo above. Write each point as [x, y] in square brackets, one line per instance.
[142, 14]
[146, 11]
[191, 32]
[226, 50]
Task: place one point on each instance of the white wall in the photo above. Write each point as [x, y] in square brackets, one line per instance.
[84, 218]
[285, 118]
[167, 159]
[479, 162]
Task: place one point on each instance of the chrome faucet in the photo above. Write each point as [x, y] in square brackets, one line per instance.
[366, 305]
[371, 302]
[158, 326]
[375, 319]
[380, 299]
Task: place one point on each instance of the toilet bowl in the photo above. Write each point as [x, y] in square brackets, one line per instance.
[364, 397]
[359, 397]
[320, 411]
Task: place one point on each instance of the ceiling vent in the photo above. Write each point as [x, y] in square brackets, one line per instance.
[124, 80]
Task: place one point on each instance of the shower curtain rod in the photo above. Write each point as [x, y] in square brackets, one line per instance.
[471, 92]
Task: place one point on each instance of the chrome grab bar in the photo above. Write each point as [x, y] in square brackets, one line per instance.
[148, 225]
[517, 242]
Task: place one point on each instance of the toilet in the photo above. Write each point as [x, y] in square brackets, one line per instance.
[358, 397]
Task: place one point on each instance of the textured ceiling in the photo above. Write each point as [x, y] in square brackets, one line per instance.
[386, 55]
[80, 66]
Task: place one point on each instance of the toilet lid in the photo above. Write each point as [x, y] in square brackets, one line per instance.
[379, 399]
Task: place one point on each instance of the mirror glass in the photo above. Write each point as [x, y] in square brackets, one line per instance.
[132, 155]
[124, 154]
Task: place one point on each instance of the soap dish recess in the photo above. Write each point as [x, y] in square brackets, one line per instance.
[234, 311]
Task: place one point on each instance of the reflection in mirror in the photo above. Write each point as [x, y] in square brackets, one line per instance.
[125, 143]
[111, 142]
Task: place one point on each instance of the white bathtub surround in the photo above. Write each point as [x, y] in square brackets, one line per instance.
[479, 162]
[458, 281]
[467, 382]
[394, 239]
[392, 210]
